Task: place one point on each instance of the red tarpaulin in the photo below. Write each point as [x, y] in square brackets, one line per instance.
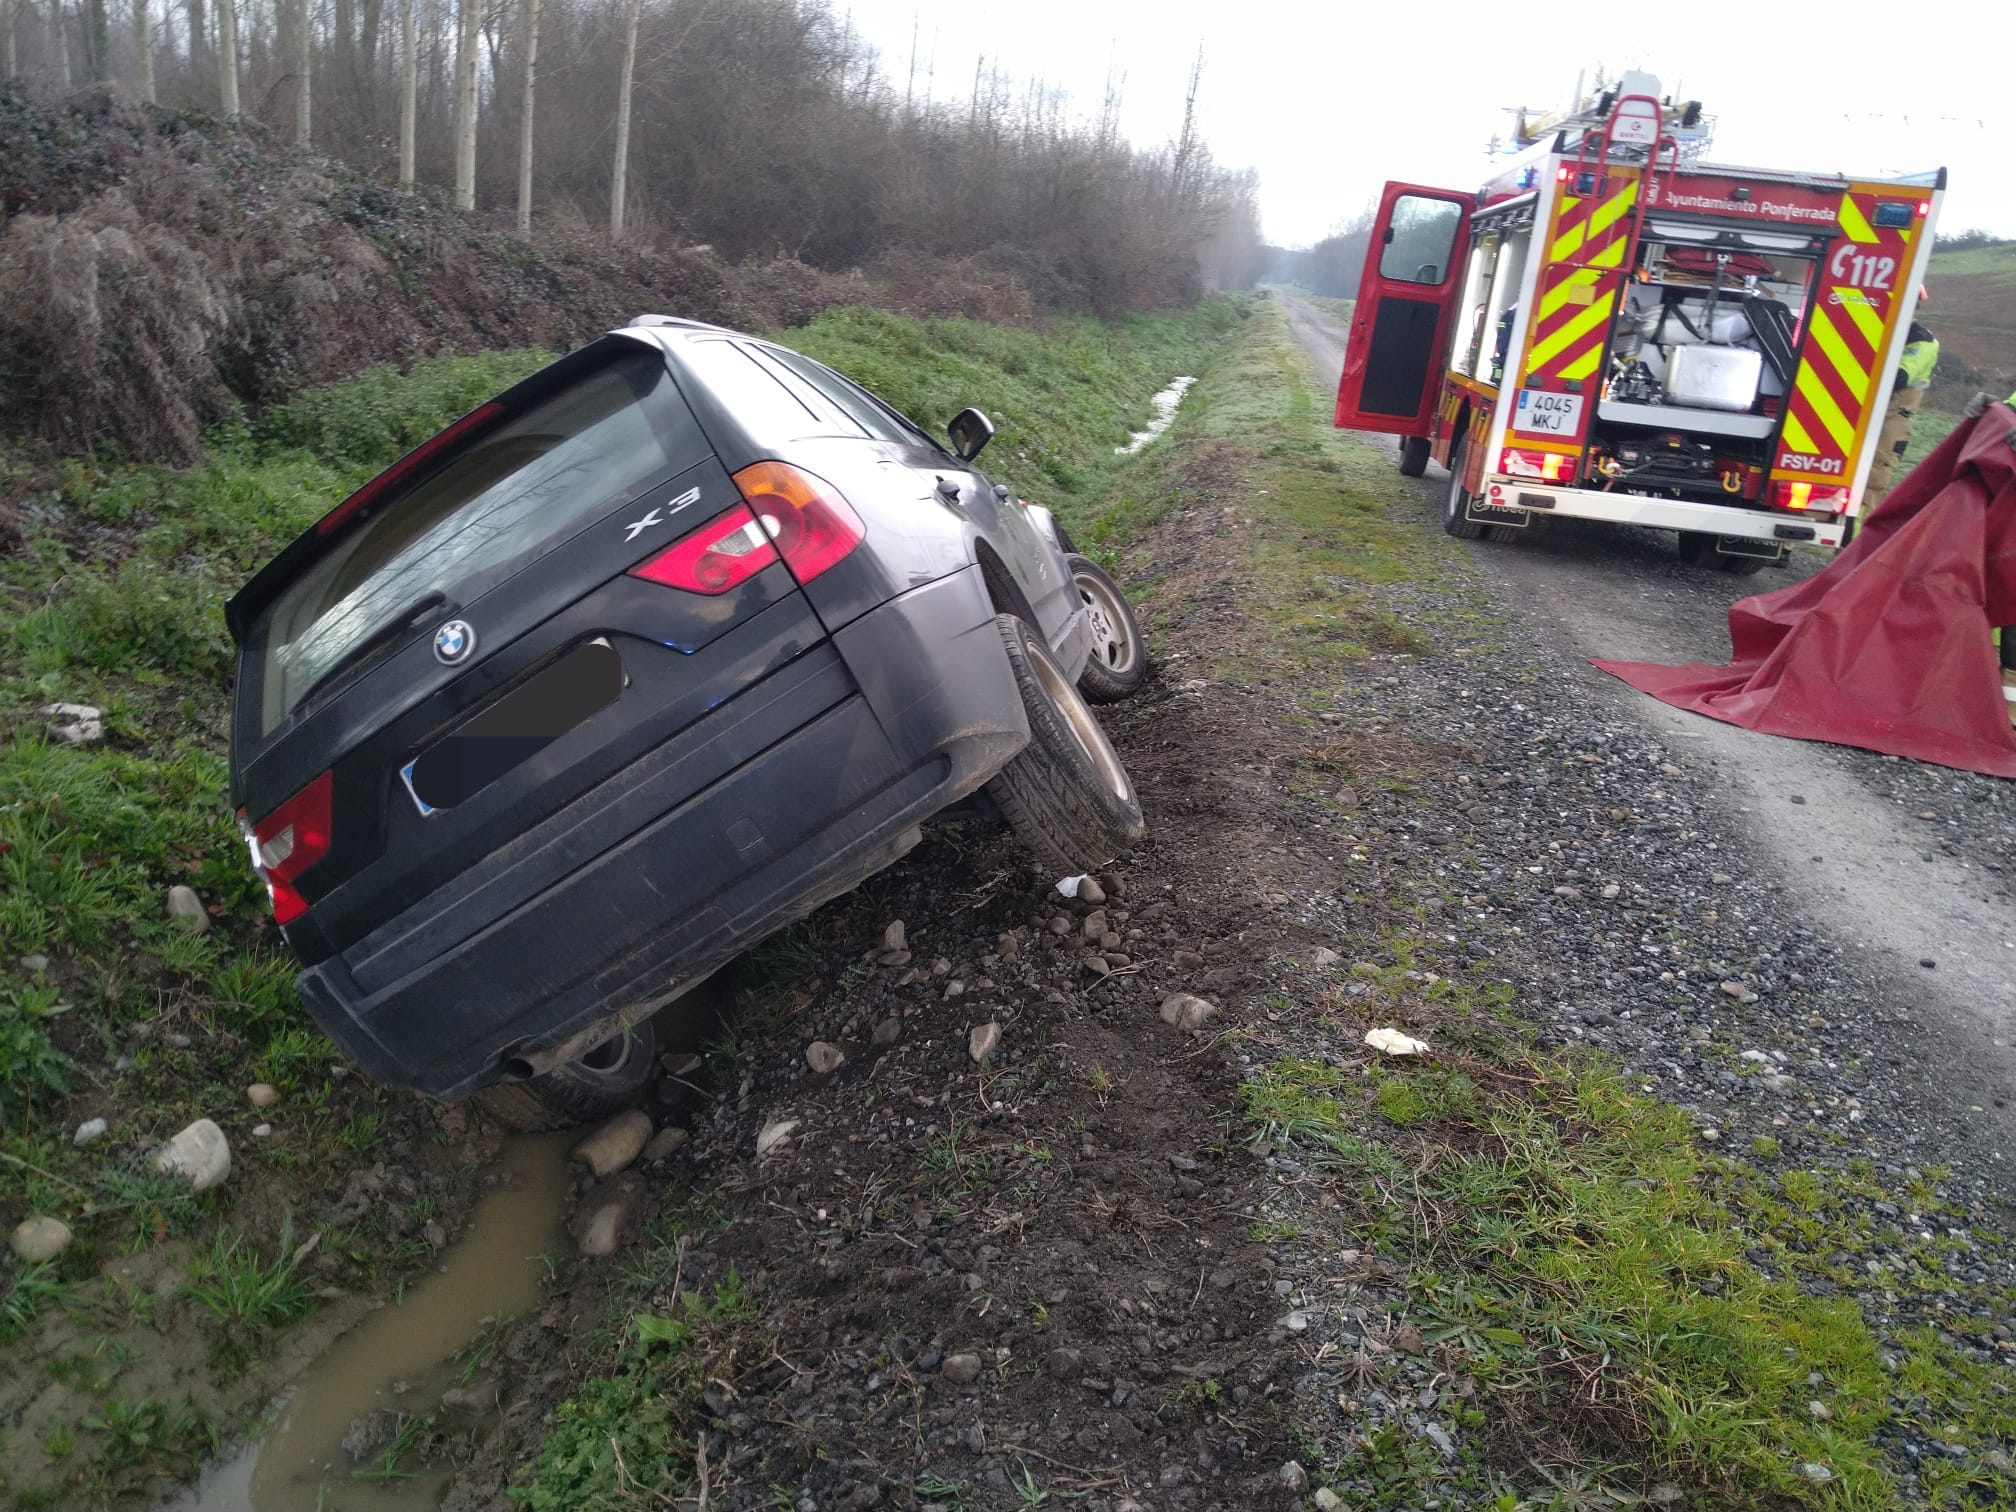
[1889, 647]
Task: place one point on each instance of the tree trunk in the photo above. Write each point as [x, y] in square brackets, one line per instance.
[199, 41]
[60, 25]
[9, 59]
[525, 122]
[302, 62]
[621, 171]
[465, 107]
[143, 48]
[97, 39]
[227, 58]
[409, 91]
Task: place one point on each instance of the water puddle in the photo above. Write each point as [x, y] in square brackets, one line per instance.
[491, 1273]
[1165, 404]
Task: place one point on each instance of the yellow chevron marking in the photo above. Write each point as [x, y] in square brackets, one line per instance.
[1796, 437]
[1867, 321]
[1585, 365]
[1608, 213]
[1568, 335]
[1569, 241]
[1563, 292]
[1610, 257]
[1825, 410]
[1854, 222]
[1845, 362]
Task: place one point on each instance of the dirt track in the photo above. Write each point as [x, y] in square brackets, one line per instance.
[1840, 829]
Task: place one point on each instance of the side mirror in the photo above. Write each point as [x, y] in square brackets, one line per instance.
[970, 432]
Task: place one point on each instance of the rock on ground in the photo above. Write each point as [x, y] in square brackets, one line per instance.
[824, 1058]
[608, 1216]
[199, 1153]
[38, 1239]
[616, 1143]
[1183, 1010]
[186, 909]
[983, 1041]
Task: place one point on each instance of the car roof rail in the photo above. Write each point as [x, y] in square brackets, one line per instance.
[676, 321]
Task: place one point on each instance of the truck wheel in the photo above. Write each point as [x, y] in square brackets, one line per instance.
[604, 1081]
[1413, 456]
[1697, 548]
[1119, 661]
[1065, 795]
[1454, 521]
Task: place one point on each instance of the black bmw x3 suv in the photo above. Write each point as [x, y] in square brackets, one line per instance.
[649, 656]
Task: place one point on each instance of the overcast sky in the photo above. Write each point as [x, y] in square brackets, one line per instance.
[1326, 101]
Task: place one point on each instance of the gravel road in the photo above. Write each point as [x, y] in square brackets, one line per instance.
[1903, 866]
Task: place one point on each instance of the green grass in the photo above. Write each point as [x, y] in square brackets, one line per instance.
[630, 1427]
[1062, 396]
[247, 1291]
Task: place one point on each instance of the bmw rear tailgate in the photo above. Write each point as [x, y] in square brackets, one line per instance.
[466, 653]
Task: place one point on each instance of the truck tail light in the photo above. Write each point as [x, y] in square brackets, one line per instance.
[787, 515]
[1550, 467]
[287, 842]
[1789, 493]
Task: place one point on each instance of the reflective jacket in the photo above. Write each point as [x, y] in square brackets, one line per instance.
[1921, 356]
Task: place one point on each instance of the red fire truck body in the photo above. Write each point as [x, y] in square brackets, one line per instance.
[1608, 331]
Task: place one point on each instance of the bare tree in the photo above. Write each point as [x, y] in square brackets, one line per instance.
[97, 39]
[10, 59]
[302, 62]
[465, 105]
[525, 122]
[143, 47]
[199, 40]
[409, 89]
[621, 171]
[61, 26]
[227, 58]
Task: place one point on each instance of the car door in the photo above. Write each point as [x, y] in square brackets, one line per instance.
[1403, 321]
[962, 491]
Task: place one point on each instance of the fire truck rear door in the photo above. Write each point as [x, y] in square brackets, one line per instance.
[1406, 307]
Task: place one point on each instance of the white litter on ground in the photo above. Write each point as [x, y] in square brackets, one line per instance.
[1165, 404]
[1393, 1042]
[1069, 886]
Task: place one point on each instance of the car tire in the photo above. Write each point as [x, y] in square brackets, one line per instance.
[1118, 664]
[1065, 795]
[1455, 521]
[1413, 456]
[604, 1081]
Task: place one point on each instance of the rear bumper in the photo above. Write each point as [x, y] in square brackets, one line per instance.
[910, 708]
[1674, 514]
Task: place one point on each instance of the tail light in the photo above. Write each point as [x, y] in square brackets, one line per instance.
[1788, 493]
[1550, 466]
[287, 842]
[787, 515]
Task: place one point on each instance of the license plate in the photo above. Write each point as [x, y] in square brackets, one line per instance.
[1497, 514]
[515, 727]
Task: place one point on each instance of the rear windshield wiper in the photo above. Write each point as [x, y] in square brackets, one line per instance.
[377, 640]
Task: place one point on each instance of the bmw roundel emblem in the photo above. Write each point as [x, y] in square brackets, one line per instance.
[454, 641]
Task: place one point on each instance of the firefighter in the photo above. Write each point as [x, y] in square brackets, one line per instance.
[1914, 377]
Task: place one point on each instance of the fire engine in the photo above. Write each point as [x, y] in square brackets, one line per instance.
[1613, 329]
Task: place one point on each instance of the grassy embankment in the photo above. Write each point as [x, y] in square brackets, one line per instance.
[113, 597]
[1664, 1307]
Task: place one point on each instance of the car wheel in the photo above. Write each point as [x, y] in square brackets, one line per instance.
[1065, 795]
[1455, 521]
[1413, 456]
[1119, 661]
[604, 1081]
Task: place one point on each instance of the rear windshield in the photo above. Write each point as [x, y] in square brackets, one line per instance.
[518, 489]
